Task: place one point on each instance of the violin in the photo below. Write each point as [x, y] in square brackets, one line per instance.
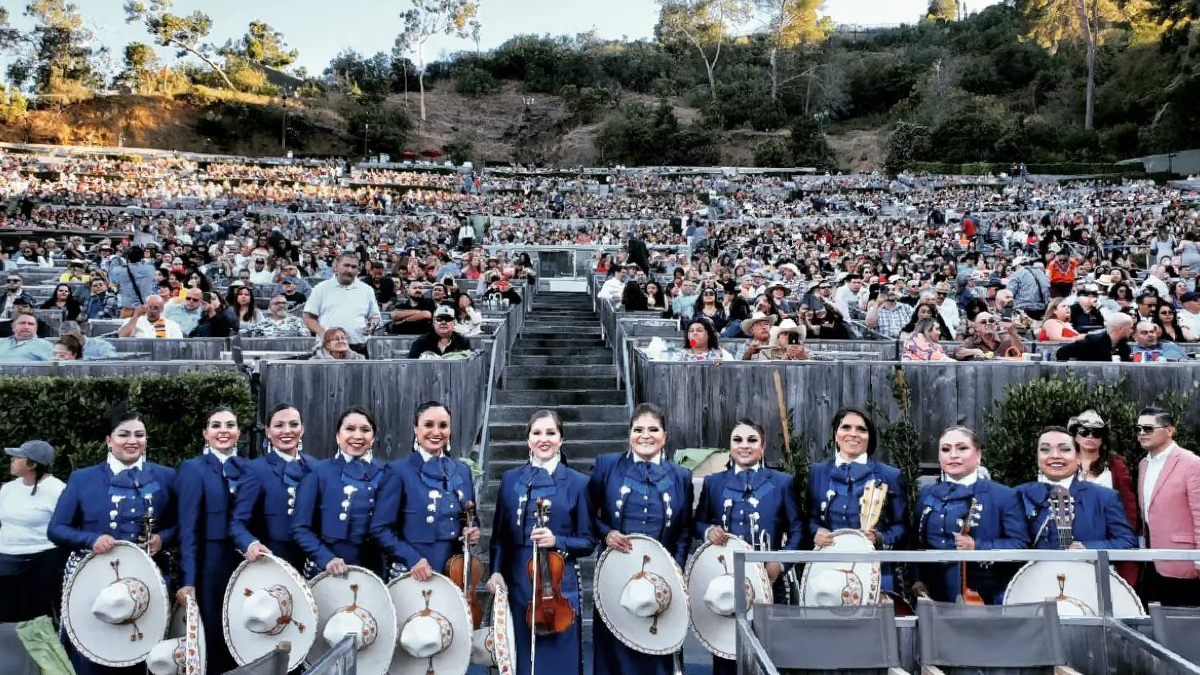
[969, 596]
[466, 570]
[549, 612]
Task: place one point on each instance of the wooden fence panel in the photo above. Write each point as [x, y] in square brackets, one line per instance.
[109, 368]
[187, 349]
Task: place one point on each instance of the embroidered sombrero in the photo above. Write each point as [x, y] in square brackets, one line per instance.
[267, 602]
[711, 599]
[641, 597]
[357, 604]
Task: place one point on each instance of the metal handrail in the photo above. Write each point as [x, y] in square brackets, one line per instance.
[629, 402]
[484, 431]
[341, 660]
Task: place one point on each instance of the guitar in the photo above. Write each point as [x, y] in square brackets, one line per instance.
[1062, 511]
[974, 511]
[871, 505]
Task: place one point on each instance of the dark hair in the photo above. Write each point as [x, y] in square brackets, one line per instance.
[134, 254]
[239, 314]
[278, 409]
[747, 422]
[632, 298]
[72, 344]
[709, 329]
[872, 435]
[651, 410]
[966, 431]
[357, 410]
[122, 416]
[544, 415]
[39, 471]
[216, 410]
[1162, 416]
[1056, 429]
[349, 254]
[430, 405]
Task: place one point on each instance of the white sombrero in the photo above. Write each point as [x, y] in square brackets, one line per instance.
[495, 646]
[184, 651]
[115, 606]
[1073, 585]
[435, 627]
[711, 594]
[267, 602]
[641, 597]
[842, 584]
[357, 604]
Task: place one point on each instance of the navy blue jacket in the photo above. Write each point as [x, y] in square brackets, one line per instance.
[768, 493]
[834, 493]
[403, 524]
[83, 512]
[332, 506]
[1099, 517]
[266, 500]
[643, 506]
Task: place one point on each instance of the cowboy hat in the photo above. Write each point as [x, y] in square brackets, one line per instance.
[184, 652]
[434, 626]
[842, 584]
[357, 603]
[1073, 585]
[711, 596]
[267, 602]
[787, 326]
[748, 324]
[1088, 418]
[495, 646]
[115, 606]
[641, 597]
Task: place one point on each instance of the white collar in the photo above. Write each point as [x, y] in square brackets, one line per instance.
[425, 455]
[838, 460]
[966, 481]
[657, 458]
[1064, 483]
[737, 469]
[1162, 456]
[549, 465]
[116, 466]
[221, 457]
[284, 456]
[368, 458]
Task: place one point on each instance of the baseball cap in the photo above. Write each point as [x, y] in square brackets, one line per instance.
[443, 311]
[1189, 297]
[38, 451]
[290, 280]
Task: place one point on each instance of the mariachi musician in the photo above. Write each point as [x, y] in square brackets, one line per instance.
[639, 492]
[515, 531]
[206, 486]
[334, 504]
[965, 512]
[836, 487]
[118, 499]
[418, 522]
[750, 501]
[1094, 512]
[266, 498]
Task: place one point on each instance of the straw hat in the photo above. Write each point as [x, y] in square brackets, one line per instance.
[495, 646]
[434, 625]
[1088, 418]
[786, 326]
[748, 324]
[641, 597]
[1073, 586]
[115, 606]
[184, 652]
[267, 602]
[711, 596]
[357, 603]
[842, 584]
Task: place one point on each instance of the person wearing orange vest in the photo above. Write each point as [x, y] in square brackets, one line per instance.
[1062, 273]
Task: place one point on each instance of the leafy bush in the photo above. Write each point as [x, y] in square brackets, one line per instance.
[73, 414]
[808, 145]
[460, 150]
[474, 81]
[587, 102]
[388, 130]
[13, 105]
[772, 153]
[907, 145]
[640, 136]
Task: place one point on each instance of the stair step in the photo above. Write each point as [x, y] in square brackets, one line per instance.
[575, 449]
[577, 431]
[556, 382]
[561, 371]
[520, 414]
[560, 341]
[556, 329]
[591, 350]
[557, 359]
[552, 397]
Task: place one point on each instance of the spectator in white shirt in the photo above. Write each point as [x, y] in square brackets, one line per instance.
[148, 322]
[30, 565]
[1189, 313]
[613, 287]
[343, 301]
[1158, 281]
[259, 272]
[847, 294]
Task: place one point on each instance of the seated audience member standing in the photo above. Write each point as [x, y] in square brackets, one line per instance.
[148, 322]
[442, 339]
[413, 314]
[1103, 345]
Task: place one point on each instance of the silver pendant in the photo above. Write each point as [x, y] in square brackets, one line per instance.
[341, 516]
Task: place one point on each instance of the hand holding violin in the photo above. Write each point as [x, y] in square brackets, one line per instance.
[542, 537]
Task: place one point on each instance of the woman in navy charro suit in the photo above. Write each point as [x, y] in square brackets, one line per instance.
[418, 523]
[266, 497]
[944, 507]
[639, 492]
[749, 500]
[514, 535]
[335, 502]
[1099, 520]
[108, 502]
[206, 486]
[836, 487]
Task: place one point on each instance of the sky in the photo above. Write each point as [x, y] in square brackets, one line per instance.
[320, 29]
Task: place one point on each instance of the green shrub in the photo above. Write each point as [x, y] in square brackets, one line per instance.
[474, 81]
[772, 153]
[73, 414]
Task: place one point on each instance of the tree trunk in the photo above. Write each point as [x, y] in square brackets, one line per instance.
[1089, 44]
[712, 81]
[421, 82]
[775, 73]
[217, 69]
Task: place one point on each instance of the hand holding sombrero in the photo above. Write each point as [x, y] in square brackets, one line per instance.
[711, 598]
[434, 625]
[641, 597]
[356, 603]
[184, 652]
[267, 602]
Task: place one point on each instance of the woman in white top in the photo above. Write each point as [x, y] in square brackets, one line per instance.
[30, 565]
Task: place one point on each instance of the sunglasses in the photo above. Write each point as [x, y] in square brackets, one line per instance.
[1147, 429]
[988, 321]
[1087, 432]
[444, 319]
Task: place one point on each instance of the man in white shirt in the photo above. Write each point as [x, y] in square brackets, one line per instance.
[1169, 495]
[613, 287]
[1189, 314]
[847, 294]
[343, 302]
[148, 322]
[259, 273]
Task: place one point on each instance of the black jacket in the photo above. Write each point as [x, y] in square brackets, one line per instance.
[429, 343]
[1096, 346]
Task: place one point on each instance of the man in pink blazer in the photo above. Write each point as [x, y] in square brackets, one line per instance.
[1169, 496]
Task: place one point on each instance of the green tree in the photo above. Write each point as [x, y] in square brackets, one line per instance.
[59, 57]
[140, 65]
[808, 145]
[703, 24]
[262, 45]
[185, 33]
[428, 18]
[791, 23]
[9, 36]
[942, 10]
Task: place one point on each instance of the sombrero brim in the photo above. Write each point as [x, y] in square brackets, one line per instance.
[718, 633]
[1038, 582]
[614, 570]
[187, 624]
[103, 643]
[448, 600]
[850, 541]
[332, 593]
[246, 646]
[504, 633]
